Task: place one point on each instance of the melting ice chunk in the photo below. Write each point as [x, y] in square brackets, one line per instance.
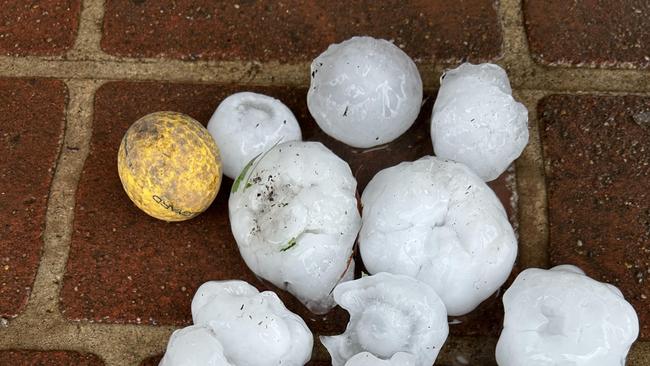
[437, 221]
[562, 317]
[394, 320]
[246, 124]
[476, 121]
[293, 212]
[235, 324]
[364, 91]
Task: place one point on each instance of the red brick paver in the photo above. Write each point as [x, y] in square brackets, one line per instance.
[292, 31]
[151, 361]
[127, 267]
[48, 358]
[604, 32]
[31, 127]
[597, 151]
[38, 27]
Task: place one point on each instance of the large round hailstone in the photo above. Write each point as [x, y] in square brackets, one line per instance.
[364, 91]
[235, 324]
[247, 124]
[476, 121]
[393, 318]
[437, 221]
[293, 212]
[562, 317]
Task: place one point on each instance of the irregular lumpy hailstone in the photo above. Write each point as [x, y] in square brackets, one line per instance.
[562, 317]
[294, 215]
[394, 320]
[236, 325]
[364, 91]
[247, 124]
[436, 221]
[476, 121]
[368, 359]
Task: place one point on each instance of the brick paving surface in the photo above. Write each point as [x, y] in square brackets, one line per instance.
[607, 32]
[597, 152]
[291, 31]
[31, 126]
[126, 267]
[48, 358]
[94, 67]
[38, 27]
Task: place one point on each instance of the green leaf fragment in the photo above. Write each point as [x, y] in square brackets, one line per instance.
[242, 175]
[290, 244]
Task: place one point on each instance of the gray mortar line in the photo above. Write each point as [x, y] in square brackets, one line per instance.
[89, 33]
[115, 344]
[273, 73]
[515, 43]
[44, 299]
[639, 354]
[531, 189]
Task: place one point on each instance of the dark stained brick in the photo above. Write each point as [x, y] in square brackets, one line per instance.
[151, 361]
[597, 155]
[48, 358]
[292, 31]
[590, 32]
[125, 267]
[38, 27]
[31, 127]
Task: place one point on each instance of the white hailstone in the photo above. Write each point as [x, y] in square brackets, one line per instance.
[235, 324]
[368, 359]
[293, 212]
[562, 317]
[364, 91]
[247, 124]
[476, 121]
[393, 318]
[437, 221]
[194, 345]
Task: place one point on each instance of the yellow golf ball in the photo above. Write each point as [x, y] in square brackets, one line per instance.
[169, 166]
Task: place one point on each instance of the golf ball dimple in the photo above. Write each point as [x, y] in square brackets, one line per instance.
[364, 91]
[169, 166]
[246, 124]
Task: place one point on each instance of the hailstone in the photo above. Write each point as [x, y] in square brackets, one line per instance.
[364, 91]
[561, 317]
[194, 345]
[368, 359]
[437, 221]
[476, 121]
[235, 324]
[394, 318]
[246, 124]
[293, 212]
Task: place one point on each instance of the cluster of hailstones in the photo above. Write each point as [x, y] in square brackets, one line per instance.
[433, 236]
